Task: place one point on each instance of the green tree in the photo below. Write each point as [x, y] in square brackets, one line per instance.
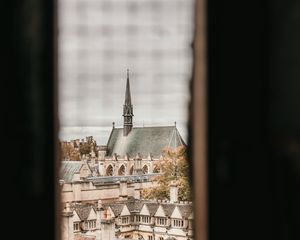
[174, 167]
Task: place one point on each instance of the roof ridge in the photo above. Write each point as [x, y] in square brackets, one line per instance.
[147, 127]
[165, 126]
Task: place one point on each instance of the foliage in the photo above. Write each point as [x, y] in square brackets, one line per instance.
[87, 147]
[84, 148]
[73, 151]
[69, 152]
[174, 167]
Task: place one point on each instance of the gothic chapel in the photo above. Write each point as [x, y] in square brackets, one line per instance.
[140, 140]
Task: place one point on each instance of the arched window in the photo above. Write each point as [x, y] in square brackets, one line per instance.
[109, 170]
[131, 171]
[145, 169]
[121, 170]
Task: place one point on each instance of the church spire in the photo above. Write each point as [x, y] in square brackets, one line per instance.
[127, 109]
[127, 94]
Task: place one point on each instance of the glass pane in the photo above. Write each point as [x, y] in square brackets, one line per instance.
[124, 75]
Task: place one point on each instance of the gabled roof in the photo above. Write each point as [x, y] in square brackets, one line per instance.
[110, 211]
[143, 140]
[185, 210]
[135, 205]
[125, 211]
[145, 210]
[68, 169]
[152, 207]
[116, 208]
[176, 213]
[168, 208]
[160, 212]
[83, 211]
[76, 218]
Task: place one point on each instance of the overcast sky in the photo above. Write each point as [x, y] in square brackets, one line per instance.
[100, 39]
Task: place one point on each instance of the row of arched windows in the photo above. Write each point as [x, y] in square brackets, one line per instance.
[122, 170]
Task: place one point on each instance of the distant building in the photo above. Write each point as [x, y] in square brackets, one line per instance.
[101, 192]
[130, 151]
[129, 219]
[133, 150]
[132, 140]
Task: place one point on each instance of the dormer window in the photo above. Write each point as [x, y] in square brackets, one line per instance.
[145, 219]
[161, 221]
[91, 224]
[178, 223]
[76, 226]
[125, 220]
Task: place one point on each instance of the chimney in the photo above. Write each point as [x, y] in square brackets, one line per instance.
[123, 190]
[137, 191]
[68, 209]
[99, 204]
[173, 192]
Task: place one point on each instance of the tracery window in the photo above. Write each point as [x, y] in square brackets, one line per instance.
[145, 169]
[109, 170]
[121, 171]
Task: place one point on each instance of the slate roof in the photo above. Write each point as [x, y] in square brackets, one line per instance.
[68, 169]
[152, 207]
[134, 206]
[83, 211]
[168, 208]
[116, 208]
[143, 140]
[185, 210]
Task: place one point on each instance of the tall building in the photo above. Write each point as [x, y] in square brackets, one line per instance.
[142, 141]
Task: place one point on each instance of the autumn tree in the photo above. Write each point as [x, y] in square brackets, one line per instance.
[68, 152]
[72, 151]
[84, 148]
[174, 167]
[87, 147]
[74, 155]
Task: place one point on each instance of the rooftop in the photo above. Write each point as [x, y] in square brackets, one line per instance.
[68, 169]
[143, 141]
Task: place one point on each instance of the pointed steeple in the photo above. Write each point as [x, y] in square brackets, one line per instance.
[127, 109]
[127, 93]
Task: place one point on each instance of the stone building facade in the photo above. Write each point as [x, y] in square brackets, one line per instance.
[129, 219]
[101, 192]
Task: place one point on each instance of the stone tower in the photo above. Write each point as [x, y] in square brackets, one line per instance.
[127, 109]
